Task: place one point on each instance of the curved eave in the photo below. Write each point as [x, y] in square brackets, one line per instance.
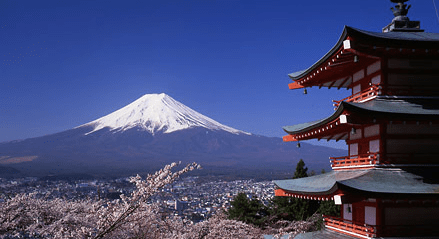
[305, 127]
[322, 184]
[315, 185]
[300, 74]
[339, 61]
[380, 181]
[332, 127]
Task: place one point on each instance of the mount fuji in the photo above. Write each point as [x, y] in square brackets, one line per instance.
[157, 113]
[152, 131]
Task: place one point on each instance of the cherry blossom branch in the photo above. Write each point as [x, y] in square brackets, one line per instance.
[144, 190]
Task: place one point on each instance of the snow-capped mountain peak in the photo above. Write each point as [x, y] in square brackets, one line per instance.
[157, 112]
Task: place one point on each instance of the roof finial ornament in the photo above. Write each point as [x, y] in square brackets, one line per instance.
[401, 9]
[401, 23]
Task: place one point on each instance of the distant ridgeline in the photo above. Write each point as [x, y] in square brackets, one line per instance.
[149, 133]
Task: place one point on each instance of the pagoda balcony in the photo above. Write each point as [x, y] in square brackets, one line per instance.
[366, 94]
[350, 227]
[362, 160]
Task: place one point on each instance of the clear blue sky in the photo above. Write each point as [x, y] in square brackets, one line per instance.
[65, 63]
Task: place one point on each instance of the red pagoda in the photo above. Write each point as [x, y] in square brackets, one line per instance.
[388, 185]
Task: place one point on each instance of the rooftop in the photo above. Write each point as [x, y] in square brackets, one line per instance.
[400, 108]
[340, 60]
[415, 181]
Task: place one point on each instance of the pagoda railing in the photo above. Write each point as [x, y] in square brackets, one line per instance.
[366, 230]
[348, 226]
[365, 94]
[355, 160]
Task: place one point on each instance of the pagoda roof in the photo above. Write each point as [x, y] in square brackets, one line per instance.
[320, 184]
[417, 106]
[397, 37]
[378, 180]
[392, 108]
[339, 61]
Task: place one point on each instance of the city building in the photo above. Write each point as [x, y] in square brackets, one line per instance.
[388, 185]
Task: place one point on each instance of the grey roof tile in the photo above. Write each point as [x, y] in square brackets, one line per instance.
[391, 108]
[400, 39]
[378, 180]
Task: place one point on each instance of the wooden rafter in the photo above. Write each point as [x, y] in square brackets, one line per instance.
[341, 136]
[332, 84]
[330, 137]
[344, 82]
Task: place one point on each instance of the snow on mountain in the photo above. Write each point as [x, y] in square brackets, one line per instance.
[155, 113]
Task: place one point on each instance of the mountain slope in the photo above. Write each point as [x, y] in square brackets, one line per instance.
[150, 132]
[154, 113]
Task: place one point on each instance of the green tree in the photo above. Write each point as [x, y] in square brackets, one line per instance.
[293, 209]
[247, 210]
[329, 208]
[301, 170]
